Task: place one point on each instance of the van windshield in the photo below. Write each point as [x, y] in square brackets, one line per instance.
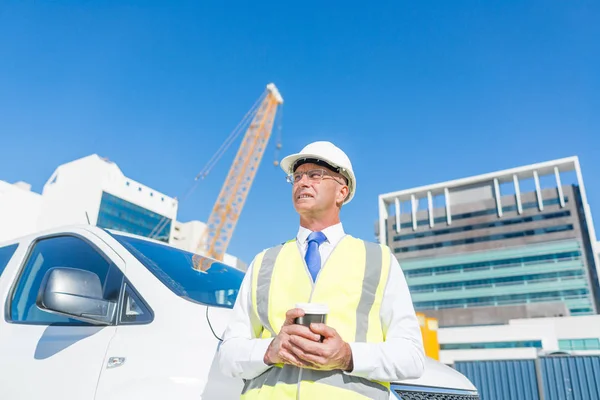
[217, 287]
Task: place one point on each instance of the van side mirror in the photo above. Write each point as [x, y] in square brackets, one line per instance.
[77, 294]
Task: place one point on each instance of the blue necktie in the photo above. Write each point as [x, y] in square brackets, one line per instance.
[312, 257]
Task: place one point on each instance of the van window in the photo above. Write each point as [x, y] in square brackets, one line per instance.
[6, 254]
[217, 287]
[133, 309]
[59, 251]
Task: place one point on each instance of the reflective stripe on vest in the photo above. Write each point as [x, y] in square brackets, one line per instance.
[351, 282]
[282, 383]
[263, 286]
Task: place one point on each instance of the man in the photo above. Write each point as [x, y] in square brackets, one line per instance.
[371, 335]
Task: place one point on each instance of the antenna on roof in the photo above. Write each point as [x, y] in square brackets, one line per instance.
[87, 217]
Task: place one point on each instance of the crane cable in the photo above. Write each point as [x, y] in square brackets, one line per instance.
[235, 133]
[278, 144]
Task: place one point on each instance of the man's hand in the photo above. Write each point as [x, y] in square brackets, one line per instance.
[333, 353]
[279, 349]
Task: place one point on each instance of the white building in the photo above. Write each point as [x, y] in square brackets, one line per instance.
[521, 339]
[19, 210]
[188, 236]
[94, 190]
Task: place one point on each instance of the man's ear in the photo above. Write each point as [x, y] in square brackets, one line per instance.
[342, 195]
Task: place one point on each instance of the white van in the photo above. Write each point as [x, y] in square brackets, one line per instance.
[91, 314]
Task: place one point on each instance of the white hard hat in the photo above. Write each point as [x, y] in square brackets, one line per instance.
[323, 152]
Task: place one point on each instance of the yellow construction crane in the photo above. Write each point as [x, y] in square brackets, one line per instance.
[228, 206]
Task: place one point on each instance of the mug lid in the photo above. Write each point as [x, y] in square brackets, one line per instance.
[313, 308]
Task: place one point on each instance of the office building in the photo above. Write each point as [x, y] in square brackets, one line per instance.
[521, 339]
[93, 190]
[491, 248]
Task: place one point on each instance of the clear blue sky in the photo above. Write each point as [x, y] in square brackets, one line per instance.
[415, 92]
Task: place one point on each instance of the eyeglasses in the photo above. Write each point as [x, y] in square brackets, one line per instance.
[314, 175]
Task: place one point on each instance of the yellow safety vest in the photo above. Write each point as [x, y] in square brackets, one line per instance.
[351, 283]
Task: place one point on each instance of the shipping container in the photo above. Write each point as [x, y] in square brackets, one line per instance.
[502, 379]
[571, 377]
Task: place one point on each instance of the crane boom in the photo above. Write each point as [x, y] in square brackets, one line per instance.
[228, 206]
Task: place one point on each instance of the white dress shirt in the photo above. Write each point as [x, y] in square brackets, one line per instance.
[401, 356]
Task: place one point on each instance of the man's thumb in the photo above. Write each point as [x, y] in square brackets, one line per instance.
[292, 314]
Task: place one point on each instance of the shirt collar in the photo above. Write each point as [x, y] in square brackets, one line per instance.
[334, 233]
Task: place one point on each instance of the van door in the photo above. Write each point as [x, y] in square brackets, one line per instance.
[217, 383]
[46, 355]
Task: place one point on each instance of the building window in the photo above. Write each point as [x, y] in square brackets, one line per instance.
[486, 225]
[492, 345]
[480, 213]
[500, 236]
[495, 264]
[581, 311]
[520, 298]
[579, 344]
[498, 282]
[118, 214]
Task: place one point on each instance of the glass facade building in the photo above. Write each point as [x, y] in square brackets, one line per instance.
[485, 258]
[537, 273]
[121, 215]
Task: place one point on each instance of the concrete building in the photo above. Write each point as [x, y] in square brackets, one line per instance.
[491, 248]
[188, 236]
[94, 190]
[521, 339]
[19, 210]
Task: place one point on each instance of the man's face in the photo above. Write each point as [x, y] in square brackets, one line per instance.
[318, 191]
